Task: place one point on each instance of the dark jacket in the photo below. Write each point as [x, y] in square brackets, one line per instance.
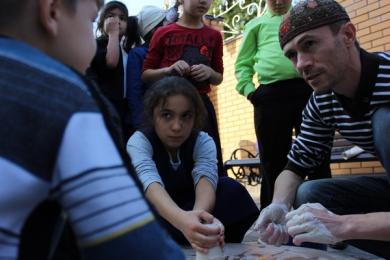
[109, 80]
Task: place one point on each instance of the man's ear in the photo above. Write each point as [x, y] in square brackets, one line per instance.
[49, 14]
[349, 34]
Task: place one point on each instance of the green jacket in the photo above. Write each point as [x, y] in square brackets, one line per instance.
[260, 53]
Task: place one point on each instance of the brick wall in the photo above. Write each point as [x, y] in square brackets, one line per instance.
[235, 113]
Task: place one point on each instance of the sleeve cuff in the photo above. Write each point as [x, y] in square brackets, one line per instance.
[212, 181]
[298, 170]
[147, 183]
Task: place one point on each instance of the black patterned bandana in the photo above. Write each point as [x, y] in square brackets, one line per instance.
[310, 14]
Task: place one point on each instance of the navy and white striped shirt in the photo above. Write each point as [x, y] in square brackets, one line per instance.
[54, 144]
[327, 112]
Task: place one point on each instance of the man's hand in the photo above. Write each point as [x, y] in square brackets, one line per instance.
[312, 222]
[271, 224]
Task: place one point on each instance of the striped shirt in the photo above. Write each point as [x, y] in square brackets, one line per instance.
[54, 145]
[327, 112]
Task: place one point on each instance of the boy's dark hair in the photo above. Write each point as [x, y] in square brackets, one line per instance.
[11, 9]
[171, 86]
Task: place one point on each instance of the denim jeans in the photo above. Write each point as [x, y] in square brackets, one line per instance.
[357, 194]
[381, 128]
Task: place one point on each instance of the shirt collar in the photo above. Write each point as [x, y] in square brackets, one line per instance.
[359, 105]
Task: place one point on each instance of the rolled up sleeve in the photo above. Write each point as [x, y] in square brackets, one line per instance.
[141, 153]
[205, 158]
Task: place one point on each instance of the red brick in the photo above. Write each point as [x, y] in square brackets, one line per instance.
[366, 46]
[368, 23]
[363, 32]
[356, 6]
[379, 170]
[341, 171]
[334, 166]
[378, 12]
[367, 8]
[370, 37]
[362, 170]
[371, 164]
[350, 165]
[360, 18]
[380, 42]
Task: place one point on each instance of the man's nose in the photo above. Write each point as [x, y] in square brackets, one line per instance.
[303, 62]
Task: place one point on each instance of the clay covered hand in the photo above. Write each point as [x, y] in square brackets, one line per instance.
[312, 222]
[271, 224]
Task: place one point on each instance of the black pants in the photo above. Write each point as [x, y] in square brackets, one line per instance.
[211, 128]
[277, 111]
[234, 207]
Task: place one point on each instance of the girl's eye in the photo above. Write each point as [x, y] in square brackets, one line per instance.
[188, 115]
[122, 18]
[166, 115]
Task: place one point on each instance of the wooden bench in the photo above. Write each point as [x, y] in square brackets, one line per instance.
[248, 165]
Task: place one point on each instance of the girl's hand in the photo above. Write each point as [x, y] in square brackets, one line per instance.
[200, 235]
[111, 26]
[222, 232]
[180, 68]
[201, 72]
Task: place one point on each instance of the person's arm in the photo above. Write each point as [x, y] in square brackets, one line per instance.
[205, 172]
[106, 209]
[374, 226]
[151, 70]
[180, 68]
[141, 153]
[244, 65]
[215, 78]
[204, 196]
[165, 206]
[188, 222]
[271, 223]
[216, 63]
[111, 27]
[151, 75]
[312, 222]
[286, 185]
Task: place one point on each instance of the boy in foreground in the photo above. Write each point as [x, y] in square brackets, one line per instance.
[57, 148]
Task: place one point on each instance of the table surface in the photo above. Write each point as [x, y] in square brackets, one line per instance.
[256, 251]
